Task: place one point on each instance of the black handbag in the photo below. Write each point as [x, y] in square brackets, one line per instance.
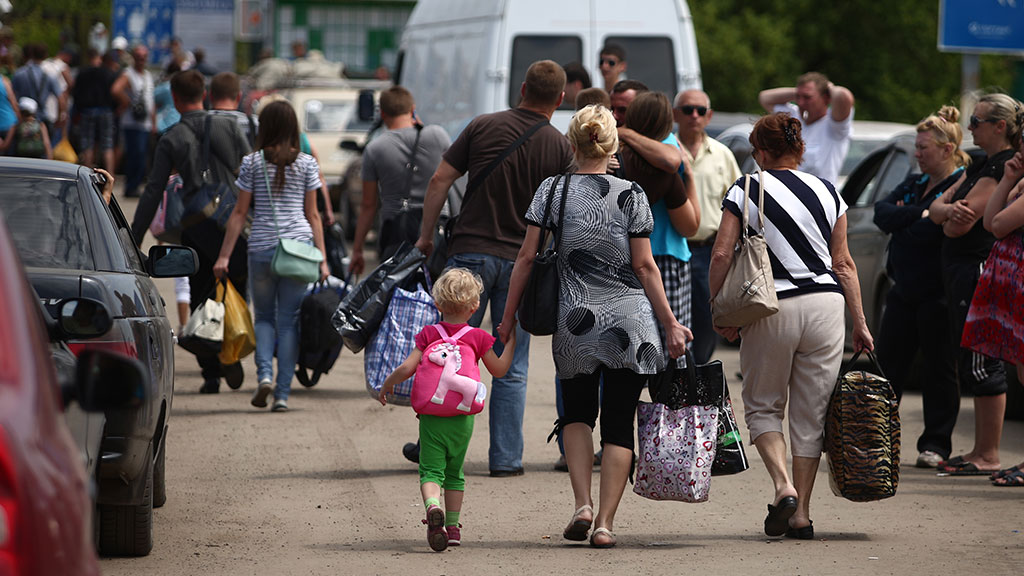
[214, 200]
[704, 385]
[538, 308]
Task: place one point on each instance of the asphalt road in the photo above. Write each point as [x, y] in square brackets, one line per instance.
[323, 489]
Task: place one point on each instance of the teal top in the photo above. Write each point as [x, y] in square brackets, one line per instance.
[664, 239]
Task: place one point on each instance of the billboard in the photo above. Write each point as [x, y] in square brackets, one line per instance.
[981, 26]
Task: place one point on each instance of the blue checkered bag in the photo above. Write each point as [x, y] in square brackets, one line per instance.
[408, 312]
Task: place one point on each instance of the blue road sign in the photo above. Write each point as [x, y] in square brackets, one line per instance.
[149, 22]
[981, 26]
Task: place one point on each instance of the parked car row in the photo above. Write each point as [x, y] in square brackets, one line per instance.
[75, 248]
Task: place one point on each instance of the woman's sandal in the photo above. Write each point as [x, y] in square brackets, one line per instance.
[1004, 472]
[578, 527]
[602, 532]
[1011, 480]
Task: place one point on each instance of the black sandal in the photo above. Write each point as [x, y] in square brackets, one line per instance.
[804, 533]
[777, 521]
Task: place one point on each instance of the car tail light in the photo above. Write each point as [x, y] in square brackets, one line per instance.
[10, 555]
[121, 347]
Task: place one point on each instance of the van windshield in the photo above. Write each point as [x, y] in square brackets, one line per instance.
[650, 60]
[528, 49]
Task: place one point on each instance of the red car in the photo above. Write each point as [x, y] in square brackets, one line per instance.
[46, 523]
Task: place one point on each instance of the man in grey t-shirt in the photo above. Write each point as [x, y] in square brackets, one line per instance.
[393, 175]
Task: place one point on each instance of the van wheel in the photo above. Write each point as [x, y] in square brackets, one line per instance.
[160, 475]
[128, 530]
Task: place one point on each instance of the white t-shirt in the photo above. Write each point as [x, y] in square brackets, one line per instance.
[54, 68]
[826, 142]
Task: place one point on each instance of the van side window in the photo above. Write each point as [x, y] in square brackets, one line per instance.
[651, 60]
[528, 49]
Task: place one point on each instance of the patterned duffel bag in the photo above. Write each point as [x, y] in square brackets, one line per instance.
[862, 435]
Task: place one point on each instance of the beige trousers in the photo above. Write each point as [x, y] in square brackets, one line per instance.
[795, 353]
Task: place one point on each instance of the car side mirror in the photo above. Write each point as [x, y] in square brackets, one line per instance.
[82, 318]
[170, 261]
[106, 380]
[366, 106]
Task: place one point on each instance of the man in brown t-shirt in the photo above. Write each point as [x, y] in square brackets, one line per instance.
[491, 227]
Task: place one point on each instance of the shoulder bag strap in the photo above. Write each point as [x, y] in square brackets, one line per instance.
[270, 193]
[744, 233]
[410, 166]
[547, 213]
[252, 131]
[483, 174]
[760, 200]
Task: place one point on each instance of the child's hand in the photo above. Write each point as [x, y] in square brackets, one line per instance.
[383, 397]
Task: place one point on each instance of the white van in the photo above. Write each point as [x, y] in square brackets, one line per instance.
[462, 58]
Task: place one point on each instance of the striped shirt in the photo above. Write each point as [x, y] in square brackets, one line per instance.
[301, 177]
[800, 212]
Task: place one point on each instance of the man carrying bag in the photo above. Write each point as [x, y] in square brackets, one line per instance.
[180, 148]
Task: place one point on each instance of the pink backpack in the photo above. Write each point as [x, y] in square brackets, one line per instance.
[448, 378]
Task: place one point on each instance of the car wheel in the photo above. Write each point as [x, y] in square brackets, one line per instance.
[160, 475]
[128, 530]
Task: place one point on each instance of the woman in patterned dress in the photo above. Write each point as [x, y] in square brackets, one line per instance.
[995, 321]
[610, 298]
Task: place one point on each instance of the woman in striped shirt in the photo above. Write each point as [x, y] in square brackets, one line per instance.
[294, 180]
[798, 351]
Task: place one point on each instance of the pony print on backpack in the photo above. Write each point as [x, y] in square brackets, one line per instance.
[447, 379]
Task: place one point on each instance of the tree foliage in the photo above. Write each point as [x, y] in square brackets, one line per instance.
[885, 52]
[43, 21]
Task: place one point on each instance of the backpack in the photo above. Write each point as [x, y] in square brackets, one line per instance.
[29, 135]
[319, 342]
[447, 379]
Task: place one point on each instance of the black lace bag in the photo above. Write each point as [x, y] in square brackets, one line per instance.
[538, 308]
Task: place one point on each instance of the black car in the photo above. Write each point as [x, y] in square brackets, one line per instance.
[73, 245]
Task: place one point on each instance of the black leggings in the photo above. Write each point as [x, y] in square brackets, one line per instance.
[622, 387]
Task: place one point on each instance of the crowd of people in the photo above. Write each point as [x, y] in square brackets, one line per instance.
[648, 218]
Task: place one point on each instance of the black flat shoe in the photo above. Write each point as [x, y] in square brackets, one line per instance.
[777, 521]
[805, 533]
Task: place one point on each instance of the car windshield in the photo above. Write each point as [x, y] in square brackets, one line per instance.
[46, 220]
[333, 116]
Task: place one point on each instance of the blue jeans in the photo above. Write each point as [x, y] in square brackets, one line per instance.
[508, 394]
[704, 336]
[276, 303]
[135, 144]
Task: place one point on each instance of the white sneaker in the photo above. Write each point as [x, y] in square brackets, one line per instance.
[929, 459]
[259, 397]
[280, 405]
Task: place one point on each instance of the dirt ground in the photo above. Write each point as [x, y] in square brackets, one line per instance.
[324, 489]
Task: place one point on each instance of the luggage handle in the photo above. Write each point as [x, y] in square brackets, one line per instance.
[871, 356]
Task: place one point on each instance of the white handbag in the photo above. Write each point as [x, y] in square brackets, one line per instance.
[206, 322]
[748, 292]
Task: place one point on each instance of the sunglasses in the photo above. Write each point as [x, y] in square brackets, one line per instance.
[609, 61]
[975, 121]
[688, 110]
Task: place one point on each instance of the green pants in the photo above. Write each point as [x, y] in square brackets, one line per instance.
[443, 445]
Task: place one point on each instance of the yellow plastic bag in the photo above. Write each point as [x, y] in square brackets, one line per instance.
[239, 336]
[64, 151]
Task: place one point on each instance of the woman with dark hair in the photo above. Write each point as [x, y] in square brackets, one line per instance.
[673, 204]
[286, 210]
[916, 313]
[966, 246]
[797, 352]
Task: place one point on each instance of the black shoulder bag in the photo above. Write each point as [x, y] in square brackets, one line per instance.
[538, 308]
[479, 177]
[213, 199]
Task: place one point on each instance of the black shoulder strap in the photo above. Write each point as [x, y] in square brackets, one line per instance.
[204, 168]
[252, 131]
[410, 166]
[483, 174]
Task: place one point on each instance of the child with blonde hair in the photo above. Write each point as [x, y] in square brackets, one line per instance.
[447, 406]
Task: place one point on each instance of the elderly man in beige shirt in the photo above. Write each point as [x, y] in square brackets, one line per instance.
[714, 171]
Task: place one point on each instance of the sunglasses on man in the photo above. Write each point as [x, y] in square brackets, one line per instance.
[688, 110]
[612, 62]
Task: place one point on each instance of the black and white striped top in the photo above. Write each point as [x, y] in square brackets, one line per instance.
[800, 212]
